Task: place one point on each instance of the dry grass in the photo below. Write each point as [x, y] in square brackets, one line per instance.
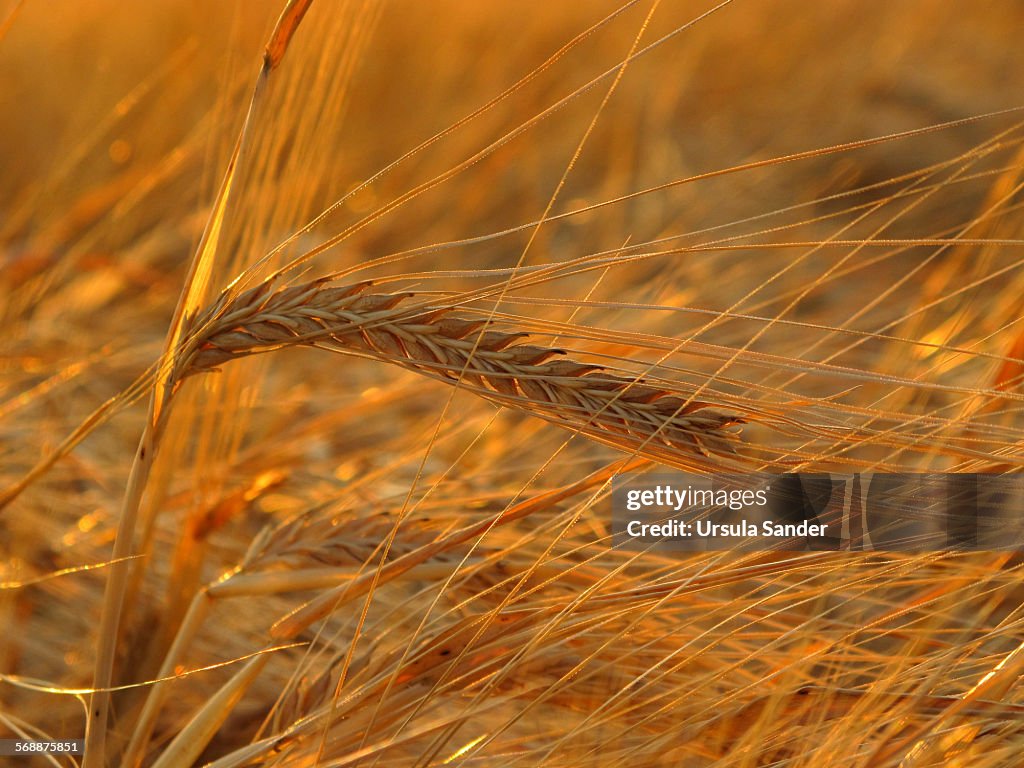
[694, 236]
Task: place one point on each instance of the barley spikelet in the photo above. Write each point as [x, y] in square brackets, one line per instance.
[437, 342]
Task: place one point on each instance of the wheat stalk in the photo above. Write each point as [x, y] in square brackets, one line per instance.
[439, 343]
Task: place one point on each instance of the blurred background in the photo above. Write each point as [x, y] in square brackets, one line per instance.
[846, 268]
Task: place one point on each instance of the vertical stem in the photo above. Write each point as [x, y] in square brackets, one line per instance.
[195, 284]
[113, 598]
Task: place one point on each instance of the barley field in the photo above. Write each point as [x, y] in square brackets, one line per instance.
[326, 326]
